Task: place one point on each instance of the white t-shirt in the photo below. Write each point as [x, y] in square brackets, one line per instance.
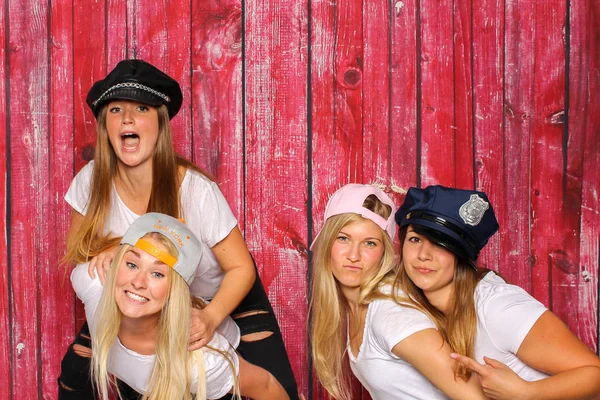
[385, 375]
[205, 212]
[505, 315]
[135, 369]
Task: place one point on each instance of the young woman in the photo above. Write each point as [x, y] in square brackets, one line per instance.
[136, 170]
[359, 323]
[525, 351]
[140, 321]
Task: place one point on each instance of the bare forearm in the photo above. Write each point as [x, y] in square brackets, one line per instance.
[235, 286]
[576, 384]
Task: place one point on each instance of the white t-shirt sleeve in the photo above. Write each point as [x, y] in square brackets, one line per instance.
[79, 192]
[392, 323]
[207, 209]
[509, 313]
[221, 372]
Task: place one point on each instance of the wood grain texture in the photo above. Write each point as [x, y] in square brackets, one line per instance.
[487, 121]
[583, 118]
[276, 162]
[29, 234]
[404, 119]
[518, 75]
[216, 96]
[6, 323]
[549, 221]
[57, 316]
[438, 152]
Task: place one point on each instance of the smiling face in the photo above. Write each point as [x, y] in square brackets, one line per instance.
[142, 283]
[355, 255]
[430, 266]
[132, 131]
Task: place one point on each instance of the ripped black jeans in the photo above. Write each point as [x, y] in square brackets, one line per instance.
[254, 316]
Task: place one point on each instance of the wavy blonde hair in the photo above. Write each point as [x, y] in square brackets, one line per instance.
[459, 326]
[171, 373]
[164, 196]
[329, 308]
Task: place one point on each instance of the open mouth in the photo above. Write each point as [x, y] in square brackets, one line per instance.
[130, 141]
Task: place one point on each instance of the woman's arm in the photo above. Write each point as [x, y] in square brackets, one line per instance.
[427, 351]
[258, 384]
[233, 256]
[552, 348]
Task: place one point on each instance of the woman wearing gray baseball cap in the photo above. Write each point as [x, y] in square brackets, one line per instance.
[517, 348]
[139, 322]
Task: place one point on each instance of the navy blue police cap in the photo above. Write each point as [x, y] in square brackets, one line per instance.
[460, 220]
[139, 81]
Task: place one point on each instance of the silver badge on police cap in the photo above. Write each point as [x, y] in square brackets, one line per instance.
[473, 210]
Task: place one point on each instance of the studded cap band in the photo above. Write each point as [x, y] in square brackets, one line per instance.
[132, 85]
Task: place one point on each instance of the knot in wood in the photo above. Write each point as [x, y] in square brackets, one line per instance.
[352, 77]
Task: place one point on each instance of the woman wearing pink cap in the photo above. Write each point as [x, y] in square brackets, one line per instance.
[139, 322]
[517, 347]
[359, 323]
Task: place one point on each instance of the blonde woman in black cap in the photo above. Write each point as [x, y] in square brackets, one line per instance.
[140, 322]
[358, 323]
[136, 170]
[517, 348]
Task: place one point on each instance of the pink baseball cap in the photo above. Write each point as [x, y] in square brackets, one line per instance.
[350, 199]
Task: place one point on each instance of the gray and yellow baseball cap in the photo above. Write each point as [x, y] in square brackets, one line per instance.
[189, 247]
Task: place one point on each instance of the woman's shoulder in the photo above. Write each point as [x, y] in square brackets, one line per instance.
[493, 291]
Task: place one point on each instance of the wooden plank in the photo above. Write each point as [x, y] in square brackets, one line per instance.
[90, 47]
[163, 38]
[216, 96]
[518, 75]
[549, 222]
[583, 117]
[403, 99]
[6, 340]
[463, 126]
[28, 207]
[438, 138]
[487, 116]
[118, 33]
[57, 317]
[276, 154]
[89, 65]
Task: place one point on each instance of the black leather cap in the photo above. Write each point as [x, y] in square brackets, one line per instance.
[139, 81]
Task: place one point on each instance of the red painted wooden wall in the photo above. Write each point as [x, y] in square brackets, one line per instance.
[285, 101]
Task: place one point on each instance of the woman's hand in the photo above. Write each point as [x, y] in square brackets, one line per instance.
[497, 380]
[202, 328]
[101, 264]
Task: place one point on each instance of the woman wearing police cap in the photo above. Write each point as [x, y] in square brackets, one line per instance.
[136, 170]
[517, 348]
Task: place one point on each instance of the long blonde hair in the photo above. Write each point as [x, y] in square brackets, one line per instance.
[171, 373]
[329, 307]
[459, 326]
[164, 196]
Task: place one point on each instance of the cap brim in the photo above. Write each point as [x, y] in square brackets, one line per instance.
[441, 238]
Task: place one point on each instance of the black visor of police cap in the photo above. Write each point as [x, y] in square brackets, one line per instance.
[139, 81]
[460, 220]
